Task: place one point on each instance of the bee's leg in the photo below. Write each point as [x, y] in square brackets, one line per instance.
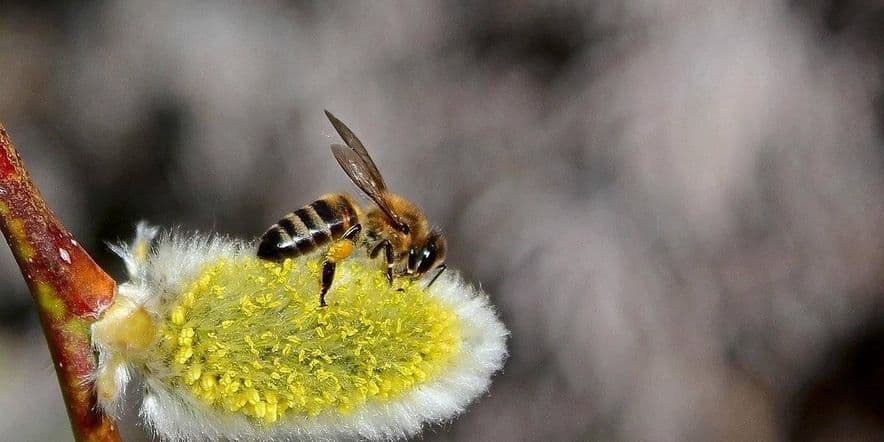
[339, 250]
[376, 249]
[353, 232]
[328, 275]
[441, 269]
[388, 256]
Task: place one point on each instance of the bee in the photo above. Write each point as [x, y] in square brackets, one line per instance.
[394, 226]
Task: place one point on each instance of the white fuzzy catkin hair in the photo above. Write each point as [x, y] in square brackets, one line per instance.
[173, 261]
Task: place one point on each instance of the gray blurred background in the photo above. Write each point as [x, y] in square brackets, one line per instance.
[676, 205]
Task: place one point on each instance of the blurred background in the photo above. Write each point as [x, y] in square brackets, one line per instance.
[676, 205]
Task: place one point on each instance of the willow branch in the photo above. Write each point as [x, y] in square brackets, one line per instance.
[68, 288]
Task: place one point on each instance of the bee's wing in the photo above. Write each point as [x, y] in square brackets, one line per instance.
[350, 138]
[355, 168]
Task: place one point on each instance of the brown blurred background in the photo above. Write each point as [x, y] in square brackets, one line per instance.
[677, 205]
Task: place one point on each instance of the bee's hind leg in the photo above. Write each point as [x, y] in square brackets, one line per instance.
[388, 256]
[328, 275]
[339, 250]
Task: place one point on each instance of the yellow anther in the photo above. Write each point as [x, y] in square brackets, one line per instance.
[232, 404]
[373, 388]
[183, 355]
[419, 374]
[231, 388]
[270, 415]
[209, 396]
[260, 409]
[193, 373]
[178, 315]
[185, 338]
[187, 299]
[235, 348]
[207, 381]
[253, 396]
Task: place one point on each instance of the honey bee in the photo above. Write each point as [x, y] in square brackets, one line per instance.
[394, 226]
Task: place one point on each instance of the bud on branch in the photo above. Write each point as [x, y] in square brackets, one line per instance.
[69, 289]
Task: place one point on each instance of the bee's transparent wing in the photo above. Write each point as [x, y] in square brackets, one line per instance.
[355, 168]
[353, 142]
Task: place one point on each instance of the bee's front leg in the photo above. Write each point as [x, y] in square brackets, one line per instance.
[388, 256]
[339, 250]
[439, 273]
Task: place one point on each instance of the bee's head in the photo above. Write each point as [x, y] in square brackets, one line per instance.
[427, 256]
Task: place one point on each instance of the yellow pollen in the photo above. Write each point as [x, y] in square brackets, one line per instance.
[249, 337]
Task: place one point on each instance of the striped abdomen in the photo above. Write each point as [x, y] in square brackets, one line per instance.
[310, 227]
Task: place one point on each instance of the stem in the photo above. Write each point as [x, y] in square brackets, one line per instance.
[69, 289]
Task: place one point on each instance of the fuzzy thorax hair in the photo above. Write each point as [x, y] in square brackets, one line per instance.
[233, 347]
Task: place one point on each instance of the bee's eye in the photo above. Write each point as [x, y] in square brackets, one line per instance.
[412, 260]
[428, 258]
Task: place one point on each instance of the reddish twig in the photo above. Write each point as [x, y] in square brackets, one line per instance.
[69, 289]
